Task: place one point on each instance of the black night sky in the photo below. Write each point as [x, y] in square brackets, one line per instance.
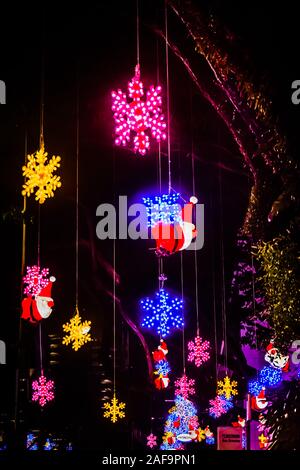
[93, 46]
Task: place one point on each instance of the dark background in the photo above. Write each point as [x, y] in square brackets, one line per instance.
[93, 46]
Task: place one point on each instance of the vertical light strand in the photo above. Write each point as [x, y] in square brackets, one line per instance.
[159, 144]
[168, 99]
[194, 193]
[137, 33]
[183, 328]
[77, 194]
[114, 313]
[223, 297]
[213, 260]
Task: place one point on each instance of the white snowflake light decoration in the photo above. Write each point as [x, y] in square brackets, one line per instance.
[43, 390]
[185, 387]
[227, 387]
[198, 351]
[114, 410]
[151, 441]
[39, 174]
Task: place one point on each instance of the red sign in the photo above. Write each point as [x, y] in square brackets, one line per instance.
[230, 438]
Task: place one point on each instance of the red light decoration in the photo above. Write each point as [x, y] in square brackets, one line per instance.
[42, 390]
[136, 117]
[198, 351]
[185, 387]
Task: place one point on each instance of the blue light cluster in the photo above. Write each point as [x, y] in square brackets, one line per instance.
[165, 313]
[31, 442]
[162, 367]
[164, 208]
[270, 377]
[49, 444]
[255, 387]
[210, 440]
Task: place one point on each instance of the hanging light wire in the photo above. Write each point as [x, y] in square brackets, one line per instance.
[114, 314]
[168, 99]
[137, 33]
[77, 197]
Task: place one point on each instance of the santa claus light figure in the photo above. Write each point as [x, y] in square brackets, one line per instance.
[173, 237]
[38, 307]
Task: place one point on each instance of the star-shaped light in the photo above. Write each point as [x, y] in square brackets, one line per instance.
[263, 441]
[165, 313]
[114, 410]
[201, 434]
[137, 117]
[198, 351]
[151, 440]
[227, 387]
[39, 175]
[78, 332]
[43, 390]
[185, 387]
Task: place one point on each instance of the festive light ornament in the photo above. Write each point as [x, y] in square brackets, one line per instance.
[137, 117]
[39, 174]
[185, 387]
[227, 387]
[270, 377]
[175, 235]
[254, 387]
[78, 332]
[42, 390]
[114, 409]
[36, 279]
[151, 440]
[162, 368]
[219, 406]
[276, 359]
[38, 306]
[164, 208]
[201, 434]
[263, 441]
[165, 313]
[198, 351]
[259, 402]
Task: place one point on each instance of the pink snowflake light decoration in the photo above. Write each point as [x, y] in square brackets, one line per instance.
[36, 279]
[198, 351]
[185, 387]
[138, 117]
[219, 406]
[42, 390]
[151, 440]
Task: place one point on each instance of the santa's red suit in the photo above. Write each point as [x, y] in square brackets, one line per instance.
[260, 402]
[177, 236]
[39, 307]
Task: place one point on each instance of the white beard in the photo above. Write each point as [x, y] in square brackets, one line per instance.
[43, 307]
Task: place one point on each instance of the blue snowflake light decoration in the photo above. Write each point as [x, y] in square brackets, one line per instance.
[165, 313]
[255, 387]
[164, 208]
[162, 367]
[210, 440]
[270, 377]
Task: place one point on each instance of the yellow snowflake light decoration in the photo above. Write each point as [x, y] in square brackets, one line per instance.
[78, 332]
[227, 388]
[114, 409]
[39, 174]
[201, 434]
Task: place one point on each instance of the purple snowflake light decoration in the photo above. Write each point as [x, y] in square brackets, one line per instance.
[36, 279]
[42, 390]
[138, 117]
[198, 351]
[151, 440]
[185, 387]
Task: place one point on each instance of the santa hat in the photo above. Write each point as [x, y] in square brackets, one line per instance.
[46, 291]
[163, 347]
[187, 210]
[271, 348]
